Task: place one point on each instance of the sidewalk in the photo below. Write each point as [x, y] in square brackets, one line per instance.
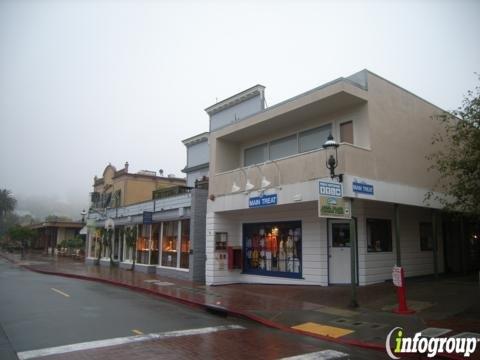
[452, 303]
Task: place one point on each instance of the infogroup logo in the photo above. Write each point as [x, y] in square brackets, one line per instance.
[429, 346]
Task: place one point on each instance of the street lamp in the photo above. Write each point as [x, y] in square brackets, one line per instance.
[332, 157]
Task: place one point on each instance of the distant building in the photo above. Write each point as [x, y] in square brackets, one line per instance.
[52, 233]
[170, 223]
[121, 188]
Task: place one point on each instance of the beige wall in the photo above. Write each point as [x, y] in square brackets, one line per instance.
[392, 135]
[401, 127]
[134, 188]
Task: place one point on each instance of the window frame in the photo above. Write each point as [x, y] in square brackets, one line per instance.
[369, 221]
[340, 131]
[420, 235]
[267, 143]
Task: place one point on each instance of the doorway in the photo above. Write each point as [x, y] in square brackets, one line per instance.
[339, 248]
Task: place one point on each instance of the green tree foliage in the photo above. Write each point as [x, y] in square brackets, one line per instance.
[131, 241]
[7, 205]
[7, 202]
[458, 161]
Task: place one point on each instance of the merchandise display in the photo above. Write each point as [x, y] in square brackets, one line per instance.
[273, 248]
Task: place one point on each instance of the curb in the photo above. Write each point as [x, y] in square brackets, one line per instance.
[222, 310]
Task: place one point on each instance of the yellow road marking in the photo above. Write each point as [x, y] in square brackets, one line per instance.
[60, 292]
[138, 332]
[325, 330]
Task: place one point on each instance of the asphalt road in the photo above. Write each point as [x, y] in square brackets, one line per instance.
[41, 311]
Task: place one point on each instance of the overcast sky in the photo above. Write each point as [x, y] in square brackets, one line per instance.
[85, 83]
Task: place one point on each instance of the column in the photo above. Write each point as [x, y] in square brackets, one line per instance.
[396, 224]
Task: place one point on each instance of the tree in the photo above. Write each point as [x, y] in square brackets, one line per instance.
[7, 202]
[21, 237]
[131, 242]
[458, 161]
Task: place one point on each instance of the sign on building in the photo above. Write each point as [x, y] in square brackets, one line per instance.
[361, 187]
[147, 217]
[331, 203]
[262, 201]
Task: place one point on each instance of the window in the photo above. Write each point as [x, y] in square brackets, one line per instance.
[379, 235]
[283, 147]
[314, 139]
[273, 249]
[185, 244]
[426, 236]
[256, 155]
[346, 132]
[169, 243]
[340, 235]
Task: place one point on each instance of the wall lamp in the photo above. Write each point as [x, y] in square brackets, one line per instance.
[332, 157]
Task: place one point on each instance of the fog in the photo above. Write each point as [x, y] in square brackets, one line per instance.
[85, 83]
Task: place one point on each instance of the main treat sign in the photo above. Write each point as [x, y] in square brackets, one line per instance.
[331, 203]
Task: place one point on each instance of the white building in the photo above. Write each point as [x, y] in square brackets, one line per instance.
[263, 223]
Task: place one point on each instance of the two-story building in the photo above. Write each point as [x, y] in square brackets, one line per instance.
[167, 218]
[266, 164]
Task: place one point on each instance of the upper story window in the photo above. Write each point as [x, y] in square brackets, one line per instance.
[290, 145]
[256, 155]
[346, 132]
[314, 138]
[284, 147]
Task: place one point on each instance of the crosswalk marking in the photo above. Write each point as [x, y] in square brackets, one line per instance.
[320, 355]
[32, 354]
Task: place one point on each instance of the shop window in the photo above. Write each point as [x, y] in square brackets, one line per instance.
[283, 147]
[314, 139]
[155, 243]
[256, 155]
[169, 243]
[426, 236]
[185, 244]
[346, 132]
[143, 244]
[273, 249]
[379, 235]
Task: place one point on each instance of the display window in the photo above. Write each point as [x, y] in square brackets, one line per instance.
[273, 249]
[155, 243]
[185, 244]
[143, 244]
[169, 243]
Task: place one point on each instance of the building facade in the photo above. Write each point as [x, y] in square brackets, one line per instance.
[122, 188]
[51, 233]
[163, 235]
[267, 166]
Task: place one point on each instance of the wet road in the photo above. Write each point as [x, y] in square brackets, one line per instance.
[61, 318]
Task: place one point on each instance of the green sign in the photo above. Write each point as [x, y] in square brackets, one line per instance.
[331, 207]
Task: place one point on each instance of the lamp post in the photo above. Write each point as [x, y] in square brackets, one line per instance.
[331, 163]
[332, 157]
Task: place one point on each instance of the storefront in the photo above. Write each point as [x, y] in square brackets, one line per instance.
[273, 249]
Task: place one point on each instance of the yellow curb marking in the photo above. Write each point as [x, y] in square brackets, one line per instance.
[324, 330]
[60, 292]
[138, 332]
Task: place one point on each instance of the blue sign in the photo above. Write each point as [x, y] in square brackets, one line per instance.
[147, 217]
[362, 188]
[262, 201]
[330, 189]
